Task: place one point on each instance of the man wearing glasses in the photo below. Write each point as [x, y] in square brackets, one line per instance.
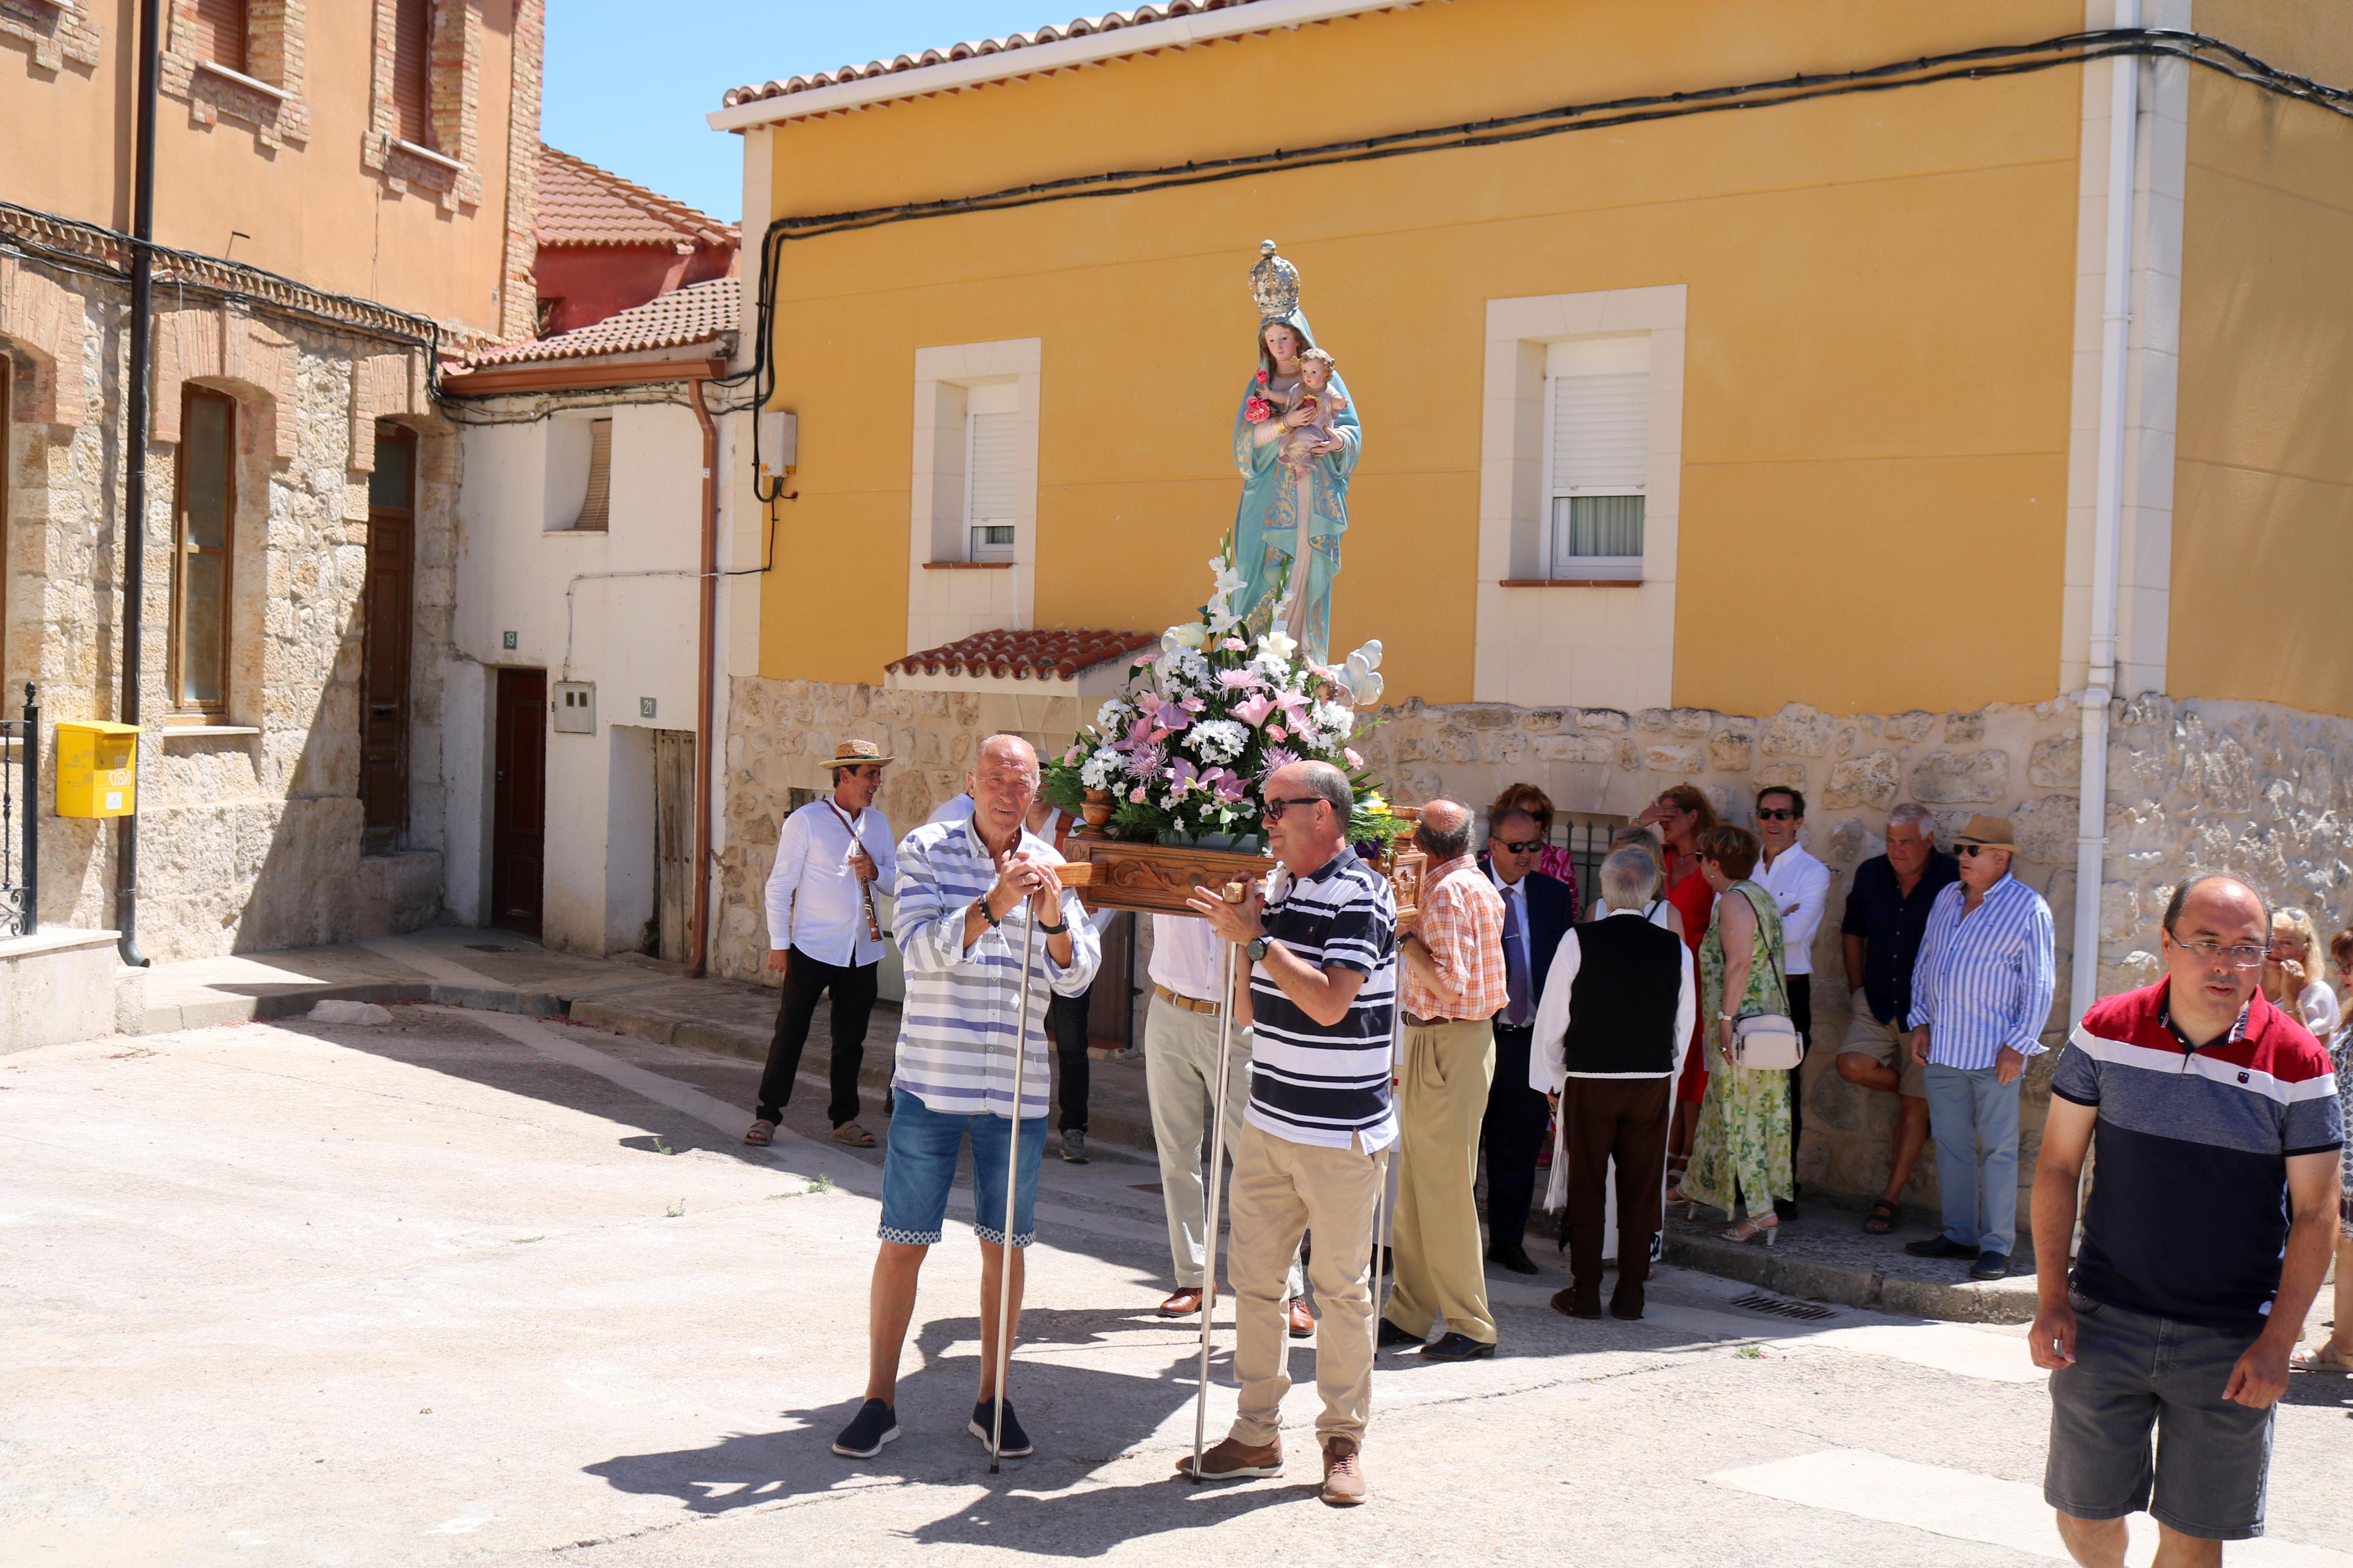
[2206, 1239]
[1320, 1004]
[1801, 885]
[1980, 994]
[1538, 911]
[824, 935]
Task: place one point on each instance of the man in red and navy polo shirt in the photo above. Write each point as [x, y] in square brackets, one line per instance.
[2210, 1229]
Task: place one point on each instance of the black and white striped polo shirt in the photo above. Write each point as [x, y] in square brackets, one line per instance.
[1311, 1083]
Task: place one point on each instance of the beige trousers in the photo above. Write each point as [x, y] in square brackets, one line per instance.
[1279, 1190]
[1180, 1075]
[1441, 1270]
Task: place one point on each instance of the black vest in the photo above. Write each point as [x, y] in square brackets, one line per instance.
[1622, 1006]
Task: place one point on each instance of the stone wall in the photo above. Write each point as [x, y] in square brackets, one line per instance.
[2257, 789]
[250, 833]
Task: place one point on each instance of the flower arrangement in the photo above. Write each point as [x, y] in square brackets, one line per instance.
[1181, 755]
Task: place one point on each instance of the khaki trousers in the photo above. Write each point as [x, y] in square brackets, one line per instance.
[1442, 1270]
[1180, 1075]
[1279, 1190]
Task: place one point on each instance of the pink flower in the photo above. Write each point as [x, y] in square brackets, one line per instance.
[1070, 758]
[1172, 717]
[1253, 711]
[1225, 784]
[1136, 795]
[1275, 758]
[1277, 732]
[1260, 380]
[1239, 679]
[1234, 645]
[1354, 759]
[1139, 733]
[1183, 773]
[1192, 705]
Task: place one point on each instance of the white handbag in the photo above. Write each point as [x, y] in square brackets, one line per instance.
[1767, 1042]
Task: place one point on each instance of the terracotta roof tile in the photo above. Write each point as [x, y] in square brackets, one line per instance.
[580, 203]
[1036, 655]
[697, 313]
[1079, 27]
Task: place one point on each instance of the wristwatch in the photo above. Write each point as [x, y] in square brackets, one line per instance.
[1053, 930]
[1256, 947]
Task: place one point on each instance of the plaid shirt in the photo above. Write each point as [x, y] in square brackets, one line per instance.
[1461, 924]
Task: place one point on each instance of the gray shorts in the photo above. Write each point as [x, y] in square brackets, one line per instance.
[2133, 1372]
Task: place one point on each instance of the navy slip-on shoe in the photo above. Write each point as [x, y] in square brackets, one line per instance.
[874, 1424]
[1991, 1265]
[1016, 1441]
[1939, 1246]
[1457, 1347]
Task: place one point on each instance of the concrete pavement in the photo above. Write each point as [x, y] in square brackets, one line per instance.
[480, 1288]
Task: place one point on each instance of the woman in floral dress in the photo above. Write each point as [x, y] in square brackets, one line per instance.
[1743, 1141]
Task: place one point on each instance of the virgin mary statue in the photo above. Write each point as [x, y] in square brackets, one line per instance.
[1287, 530]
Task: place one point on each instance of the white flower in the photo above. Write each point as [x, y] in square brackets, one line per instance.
[1330, 720]
[1279, 643]
[1103, 769]
[1217, 740]
[1191, 635]
[1113, 717]
[1183, 673]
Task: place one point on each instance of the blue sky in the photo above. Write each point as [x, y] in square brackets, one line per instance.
[632, 97]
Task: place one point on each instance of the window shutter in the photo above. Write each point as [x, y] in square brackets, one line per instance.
[412, 71]
[219, 26]
[596, 509]
[1601, 431]
[993, 466]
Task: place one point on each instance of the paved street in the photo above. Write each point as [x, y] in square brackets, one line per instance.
[479, 1289]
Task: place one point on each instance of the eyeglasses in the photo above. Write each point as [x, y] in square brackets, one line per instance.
[1275, 808]
[1522, 846]
[1971, 851]
[2244, 955]
[1774, 814]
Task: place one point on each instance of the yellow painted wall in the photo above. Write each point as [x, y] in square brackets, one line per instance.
[2263, 481]
[1880, 310]
[314, 212]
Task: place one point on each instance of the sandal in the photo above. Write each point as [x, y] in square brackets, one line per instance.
[763, 1131]
[1885, 1217]
[854, 1135]
[1767, 1226]
[2320, 1358]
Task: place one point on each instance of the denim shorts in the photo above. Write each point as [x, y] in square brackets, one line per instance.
[2133, 1372]
[919, 1166]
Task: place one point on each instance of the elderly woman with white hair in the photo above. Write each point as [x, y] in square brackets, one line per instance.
[1618, 1005]
[2296, 971]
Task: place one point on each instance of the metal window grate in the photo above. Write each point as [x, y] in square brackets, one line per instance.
[1586, 840]
[1808, 1311]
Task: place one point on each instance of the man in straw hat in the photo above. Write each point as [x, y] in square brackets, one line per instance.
[824, 935]
[987, 933]
[1980, 995]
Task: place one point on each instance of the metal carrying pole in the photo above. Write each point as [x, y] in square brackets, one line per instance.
[1381, 1196]
[31, 756]
[1012, 1188]
[1209, 1205]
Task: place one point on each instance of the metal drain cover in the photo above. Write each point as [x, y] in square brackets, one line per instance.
[1809, 1312]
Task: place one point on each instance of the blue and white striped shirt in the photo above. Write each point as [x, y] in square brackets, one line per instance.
[957, 1027]
[1984, 980]
[1319, 1083]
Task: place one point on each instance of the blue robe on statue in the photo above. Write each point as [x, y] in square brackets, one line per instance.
[1278, 510]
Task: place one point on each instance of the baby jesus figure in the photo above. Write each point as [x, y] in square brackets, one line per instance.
[1307, 441]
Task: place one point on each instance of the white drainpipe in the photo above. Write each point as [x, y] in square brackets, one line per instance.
[2107, 528]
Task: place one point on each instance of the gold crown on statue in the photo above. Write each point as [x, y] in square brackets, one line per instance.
[1274, 284]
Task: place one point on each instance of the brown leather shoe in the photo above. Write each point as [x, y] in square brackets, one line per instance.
[1344, 1476]
[1301, 1320]
[1233, 1461]
[1183, 1304]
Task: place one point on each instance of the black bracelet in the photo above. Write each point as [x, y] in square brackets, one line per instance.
[988, 914]
[1053, 930]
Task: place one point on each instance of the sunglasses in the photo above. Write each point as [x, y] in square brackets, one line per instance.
[1971, 851]
[1774, 814]
[1276, 807]
[1524, 847]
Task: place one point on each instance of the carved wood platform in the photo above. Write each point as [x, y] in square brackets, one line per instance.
[1155, 879]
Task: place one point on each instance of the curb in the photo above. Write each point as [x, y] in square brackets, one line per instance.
[2011, 1300]
[165, 1017]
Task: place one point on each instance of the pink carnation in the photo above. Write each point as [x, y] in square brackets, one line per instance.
[1354, 759]
[1136, 795]
[1277, 732]
[1235, 644]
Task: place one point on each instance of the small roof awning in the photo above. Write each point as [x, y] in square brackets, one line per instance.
[1037, 663]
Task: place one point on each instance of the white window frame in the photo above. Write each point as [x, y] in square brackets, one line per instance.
[1587, 641]
[1008, 394]
[950, 594]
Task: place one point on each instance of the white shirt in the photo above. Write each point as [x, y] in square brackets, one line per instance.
[2315, 1007]
[1547, 1052]
[814, 898]
[1658, 911]
[1801, 885]
[1186, 957]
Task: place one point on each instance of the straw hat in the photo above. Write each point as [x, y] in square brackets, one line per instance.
[855, 754]
[1988, 833]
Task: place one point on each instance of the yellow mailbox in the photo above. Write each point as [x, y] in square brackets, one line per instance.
[98, 768]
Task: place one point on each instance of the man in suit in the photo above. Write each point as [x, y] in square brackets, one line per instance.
[1538, 911]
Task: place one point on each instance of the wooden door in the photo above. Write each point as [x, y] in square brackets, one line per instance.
[673, 842]
[519, 804]
[1111, 1004]
[388, 613]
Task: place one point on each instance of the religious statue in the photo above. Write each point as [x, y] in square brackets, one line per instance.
[1296, 439]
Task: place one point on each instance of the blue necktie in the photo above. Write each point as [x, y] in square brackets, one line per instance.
[1515, 964]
